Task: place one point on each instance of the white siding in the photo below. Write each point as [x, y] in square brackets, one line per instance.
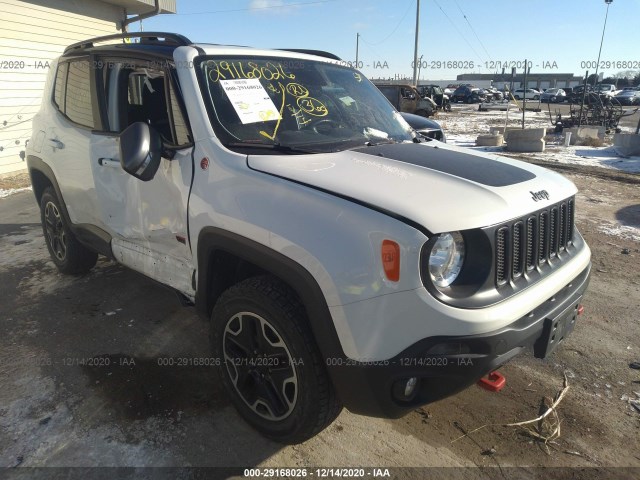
[31, 34]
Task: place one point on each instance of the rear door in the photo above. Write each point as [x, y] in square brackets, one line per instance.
[147, 220]
[68, 137]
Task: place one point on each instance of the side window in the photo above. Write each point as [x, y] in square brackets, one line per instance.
[61, 80]
[78, 97]
[138, 92]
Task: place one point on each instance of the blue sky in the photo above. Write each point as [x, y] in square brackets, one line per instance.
[555, 35]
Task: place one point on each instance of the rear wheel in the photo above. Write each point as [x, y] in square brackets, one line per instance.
[271, 366]
[69, 255]
[536, 97]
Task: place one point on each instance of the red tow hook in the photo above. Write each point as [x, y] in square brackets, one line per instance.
[580, 309]
[494, 382]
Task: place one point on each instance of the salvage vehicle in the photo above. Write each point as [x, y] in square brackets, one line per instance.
[405, 98]
[435, 93]
[340, 260]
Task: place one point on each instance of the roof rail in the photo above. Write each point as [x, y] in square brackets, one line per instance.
[319, 53]
[145, 37]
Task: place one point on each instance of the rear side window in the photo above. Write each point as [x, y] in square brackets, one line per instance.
[61, 80]
[72, 92]
[78, 98]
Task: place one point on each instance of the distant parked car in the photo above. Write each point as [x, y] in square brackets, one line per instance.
[528, 93]
[426, 128]
[607, 89]
[628, 97]
[468, 94]
[553, 95]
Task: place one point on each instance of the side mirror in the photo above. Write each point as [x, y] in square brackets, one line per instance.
[140, 151]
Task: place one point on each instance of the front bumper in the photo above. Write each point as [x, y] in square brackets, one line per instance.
[445, 365]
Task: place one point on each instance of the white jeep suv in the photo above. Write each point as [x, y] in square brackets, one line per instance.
[340, 260]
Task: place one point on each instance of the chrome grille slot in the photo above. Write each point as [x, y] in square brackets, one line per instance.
[570, 220]
[531, 245]
[562, 242]
[553, 232]
[501, 256]
[543, 240]
[517, 253]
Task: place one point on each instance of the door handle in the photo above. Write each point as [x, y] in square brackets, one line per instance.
[55, 143]
[109, 162]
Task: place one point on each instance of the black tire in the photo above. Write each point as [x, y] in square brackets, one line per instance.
[69, 255]
[447, 107]
[517, 97]
[536, 97]
[289, 400]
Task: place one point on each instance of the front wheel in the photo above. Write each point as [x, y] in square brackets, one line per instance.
[69, 255]
[270, 365]
[536, 97]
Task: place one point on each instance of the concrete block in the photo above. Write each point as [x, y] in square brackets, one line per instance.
[527, 140]
[627, 144]
[496, 130]
[527, 134]
[580, 134]
[489, 140]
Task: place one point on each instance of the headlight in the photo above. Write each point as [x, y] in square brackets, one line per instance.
[446, 259]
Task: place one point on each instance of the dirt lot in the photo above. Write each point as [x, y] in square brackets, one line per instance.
[129, 411]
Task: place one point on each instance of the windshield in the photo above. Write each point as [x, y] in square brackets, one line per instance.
[269, 102]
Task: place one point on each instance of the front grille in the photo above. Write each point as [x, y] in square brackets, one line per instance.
[527, 244]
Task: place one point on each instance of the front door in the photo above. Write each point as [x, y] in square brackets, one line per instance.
[147, 220]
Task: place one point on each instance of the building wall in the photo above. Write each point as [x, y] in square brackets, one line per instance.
[31, 34]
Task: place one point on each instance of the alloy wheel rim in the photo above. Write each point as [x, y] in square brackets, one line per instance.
[260, 366]
[55, 231]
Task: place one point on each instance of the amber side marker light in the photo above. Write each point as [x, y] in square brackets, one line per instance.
[390, 252]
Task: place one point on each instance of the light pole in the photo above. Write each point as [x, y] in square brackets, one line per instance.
[415, 50]
[608, 2]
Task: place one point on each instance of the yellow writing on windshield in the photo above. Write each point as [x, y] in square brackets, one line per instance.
[224, 70]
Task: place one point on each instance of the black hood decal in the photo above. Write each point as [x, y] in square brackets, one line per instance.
[464, 165]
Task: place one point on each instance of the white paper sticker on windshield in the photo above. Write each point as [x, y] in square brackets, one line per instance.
[250, 100]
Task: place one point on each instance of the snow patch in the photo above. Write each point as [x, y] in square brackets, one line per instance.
[11, 191]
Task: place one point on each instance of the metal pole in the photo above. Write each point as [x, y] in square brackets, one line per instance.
[584, 92]
[357, 48]
[608, 2]
[524, 101]
[415, 50]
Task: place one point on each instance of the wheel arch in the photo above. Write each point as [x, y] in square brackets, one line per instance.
[225, 258]
[42, 176]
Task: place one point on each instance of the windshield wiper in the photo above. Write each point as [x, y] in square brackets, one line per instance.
[278, 147]
[383, 142]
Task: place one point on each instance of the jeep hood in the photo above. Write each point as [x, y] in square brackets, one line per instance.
[439, 186]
